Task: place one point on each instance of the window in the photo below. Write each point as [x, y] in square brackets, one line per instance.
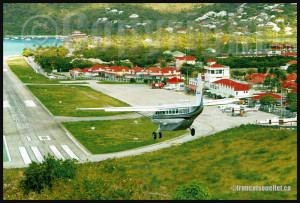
[236, 93]
[212, 71]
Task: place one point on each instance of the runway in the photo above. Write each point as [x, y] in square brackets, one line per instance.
[28, 128]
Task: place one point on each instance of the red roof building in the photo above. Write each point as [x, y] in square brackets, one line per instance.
[174, 80]
[291, 62]
[210, 60]
[257, 96]
[224, 88]
[257, 77]
[179, 61]
[288, 54]
[187, 58]
[232, 84]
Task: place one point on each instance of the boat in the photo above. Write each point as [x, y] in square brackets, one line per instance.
[6, 38]
[27, 39]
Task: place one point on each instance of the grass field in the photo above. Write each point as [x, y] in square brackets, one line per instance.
[72, 97]
[25, 73]
[245, 155]
[117, 135]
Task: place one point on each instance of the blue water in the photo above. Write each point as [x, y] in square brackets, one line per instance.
[15, 47]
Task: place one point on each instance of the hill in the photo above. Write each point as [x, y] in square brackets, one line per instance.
[114, 16]
[247, 156]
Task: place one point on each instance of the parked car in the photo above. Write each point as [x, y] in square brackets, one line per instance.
[157, 85]
[287, 107]
[278, 104]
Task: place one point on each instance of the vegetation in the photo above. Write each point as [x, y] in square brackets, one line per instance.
[72, 97]
[267, 100]
[25, 73]
[39, 176]
[117, 135]
[255, 62]
[194, 191]
[245, 155]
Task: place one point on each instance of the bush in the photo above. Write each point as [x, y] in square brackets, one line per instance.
[132, 80]
[194, 191]
[41, 175]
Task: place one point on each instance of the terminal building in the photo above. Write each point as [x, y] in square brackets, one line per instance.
[215, 71]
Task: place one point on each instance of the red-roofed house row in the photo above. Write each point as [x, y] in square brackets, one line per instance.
[135, 72]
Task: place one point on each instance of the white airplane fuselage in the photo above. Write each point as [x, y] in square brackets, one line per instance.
[177, 118]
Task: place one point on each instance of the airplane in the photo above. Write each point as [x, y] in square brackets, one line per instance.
[238, 108]
[175, 116]
[275, 121]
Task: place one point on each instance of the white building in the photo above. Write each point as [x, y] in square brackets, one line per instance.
[216, 71]
[224, 88]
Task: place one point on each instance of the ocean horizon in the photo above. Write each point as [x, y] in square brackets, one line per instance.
[16, 46]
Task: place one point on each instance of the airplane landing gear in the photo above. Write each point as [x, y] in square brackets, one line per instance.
[154, 134]
[192, 131]
[159, 135]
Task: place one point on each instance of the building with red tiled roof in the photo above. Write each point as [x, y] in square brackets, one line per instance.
[289, 54]
[174, 82]
[291, 62]
[216, 72]
[224, 88]
[257, 96]
[279, 49]
[179, 61]
[257, 77]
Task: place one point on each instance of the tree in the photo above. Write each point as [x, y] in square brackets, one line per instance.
[196, 190]
[291, 97]
[293, 106]
[292, 69]
[187, 69]
[267, 100]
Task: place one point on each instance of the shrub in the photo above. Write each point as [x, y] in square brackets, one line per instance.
[41, 175]
[194, 191]
[132, 80]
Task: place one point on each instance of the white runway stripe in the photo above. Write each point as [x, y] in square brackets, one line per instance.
[29, 103]
[6, 104]
[69, 152]
[56, 152]
[24, 155]
[4, 70]
[37, 154]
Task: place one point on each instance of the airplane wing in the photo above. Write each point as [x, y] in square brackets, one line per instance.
[137, 108]
[219, 101]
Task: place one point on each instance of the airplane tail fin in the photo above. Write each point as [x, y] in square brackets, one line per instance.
[198, 99]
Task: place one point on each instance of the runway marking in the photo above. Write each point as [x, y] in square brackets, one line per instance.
[28, 138]
[37, 153]
[56, 152]
[44, 138]
[6, 104]
[6, 147]
[69, 152]
[4, 70]
[24, 155]
[29, 103]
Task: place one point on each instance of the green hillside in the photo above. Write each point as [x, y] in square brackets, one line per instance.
[246, 156]
[176, 15]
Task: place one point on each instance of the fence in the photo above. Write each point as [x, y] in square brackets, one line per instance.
[279, 112]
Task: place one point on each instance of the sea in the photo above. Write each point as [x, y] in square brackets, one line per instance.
[16, 46]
